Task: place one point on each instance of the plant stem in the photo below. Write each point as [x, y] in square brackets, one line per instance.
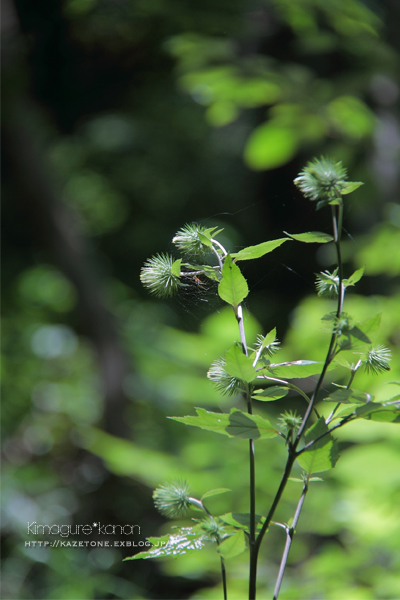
[253, 565]
[289, 538]
[292, 454]
[223, 572]
[252, 466]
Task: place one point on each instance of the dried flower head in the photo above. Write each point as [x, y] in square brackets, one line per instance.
[172, 499]
[161, 275]
[377, 360]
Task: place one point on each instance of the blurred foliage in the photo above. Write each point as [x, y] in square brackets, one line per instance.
[150, 115]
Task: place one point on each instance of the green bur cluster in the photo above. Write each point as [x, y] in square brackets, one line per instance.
[251, 373]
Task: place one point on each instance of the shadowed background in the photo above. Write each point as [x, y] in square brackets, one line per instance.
[122, 121]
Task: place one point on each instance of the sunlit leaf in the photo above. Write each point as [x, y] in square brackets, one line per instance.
[355, 277]
[271, 393]
[176, 267]
[173, 545]
[215, 492]
[241, 520]
[238, 365]
[351, 186]
[270, 146]
[235, 424]
[348, 396]
[311, 237]
[233, 546]
[252, 252]
[297, 369]
[233, 287]
[323, 455]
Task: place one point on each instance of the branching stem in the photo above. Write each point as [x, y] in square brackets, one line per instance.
[289, 538]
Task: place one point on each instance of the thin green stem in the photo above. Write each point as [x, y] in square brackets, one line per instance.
[289, 538]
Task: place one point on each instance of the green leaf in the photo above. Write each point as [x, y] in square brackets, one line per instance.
[252, 252]
[233, 287]
[375, 411]
[348, 396]
[354, 278]
[176, 267]
[241, 520]
[238, 365]
[269, 394]
[236, 424]
[297, 369]
[350, 186]
[215, 492]
[311, 237]
[233, 546]
[342, 362]
[269, 338]
[186, 540]
[270, 146]
[323, 455]
[204, 239]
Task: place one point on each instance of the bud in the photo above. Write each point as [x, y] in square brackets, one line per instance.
[213, 530]
[289, 423]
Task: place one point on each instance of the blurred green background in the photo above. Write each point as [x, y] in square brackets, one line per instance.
[122, 121]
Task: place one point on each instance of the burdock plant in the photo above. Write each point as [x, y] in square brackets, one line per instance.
[253, 373]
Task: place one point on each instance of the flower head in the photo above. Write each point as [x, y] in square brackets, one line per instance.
[225, 383]
[161, 275]
[191, 239]
[213, 530]
[172, 499]
[322, 179]
[377, 360]
[327, 284]
[289, 422]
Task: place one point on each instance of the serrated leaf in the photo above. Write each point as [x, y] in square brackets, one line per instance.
[233, 546]
[348, 396]
[233, 287]
[323, 455]
[355, 277]
[311, 237]
[215, 492]
[172, 545]
[252, 252]
[241, 520]
[350, 186]
[236, 424]
[297, 369]
[238, 365]
[270, 394]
